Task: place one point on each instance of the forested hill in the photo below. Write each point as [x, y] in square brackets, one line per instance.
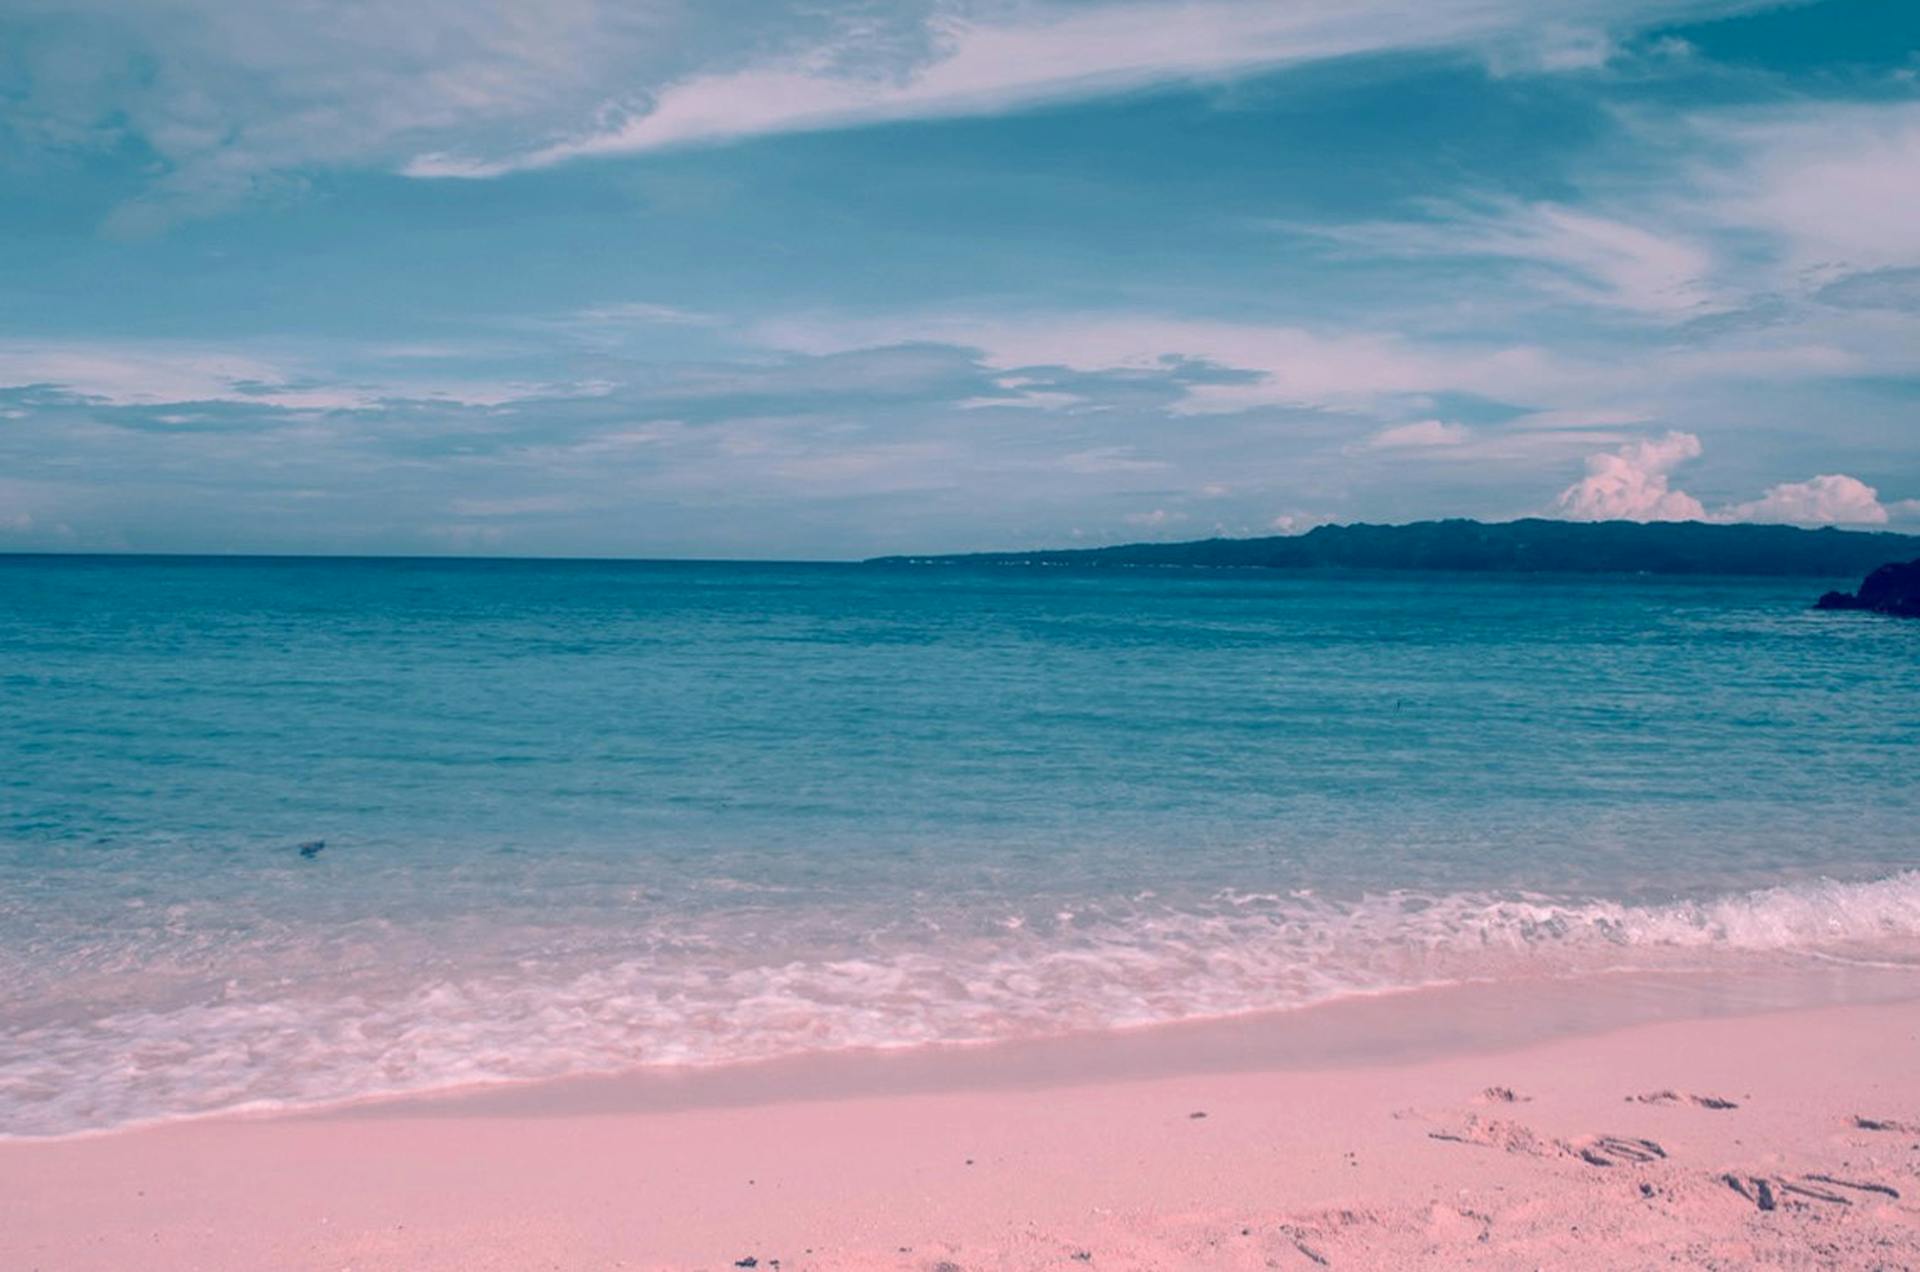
[1533, 545]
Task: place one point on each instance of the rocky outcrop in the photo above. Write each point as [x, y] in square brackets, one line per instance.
[1891, 589]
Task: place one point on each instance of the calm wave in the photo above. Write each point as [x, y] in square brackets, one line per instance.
[585, 817]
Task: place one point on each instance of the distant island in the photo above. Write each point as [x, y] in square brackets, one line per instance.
[1533, 545]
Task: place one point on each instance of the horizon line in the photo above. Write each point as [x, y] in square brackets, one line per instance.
[887, 557]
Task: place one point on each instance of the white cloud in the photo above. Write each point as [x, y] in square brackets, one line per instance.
[1419, 435]
[1835, 183]
[1583, 419]
[642, 313]
[134, 375]
[1630, 484]
[515, 505]
[160, 373]
[1294, 366]
[226, 95]
[1038, 53]
[1830, 499]
[1575, 254]
[1107, 459]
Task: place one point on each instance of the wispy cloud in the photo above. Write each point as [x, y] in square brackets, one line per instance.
[1834, 183]
[1568, 253]
[1000, 60]
[169, 372]
[1419, 435]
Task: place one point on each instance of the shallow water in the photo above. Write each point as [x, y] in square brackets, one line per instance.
[591, 816]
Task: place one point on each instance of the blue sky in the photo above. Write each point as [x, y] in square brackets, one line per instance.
[782, 280]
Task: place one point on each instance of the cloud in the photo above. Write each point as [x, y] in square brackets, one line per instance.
[166, 372]
[1217, 366]
[1039, 53]
[1573, 254]
[642, 313]
[1419, 435]
[231, 100]
[1894, 289]
[1827, 500]
[1630, 484]
[1835, 183]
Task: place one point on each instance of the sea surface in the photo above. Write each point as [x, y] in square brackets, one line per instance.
[588, 817]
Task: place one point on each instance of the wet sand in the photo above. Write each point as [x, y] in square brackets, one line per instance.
[1606, 1124]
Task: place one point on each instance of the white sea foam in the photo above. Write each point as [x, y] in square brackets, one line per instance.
[700, 996]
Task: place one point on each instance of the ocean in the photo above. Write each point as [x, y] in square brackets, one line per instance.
[585, 817]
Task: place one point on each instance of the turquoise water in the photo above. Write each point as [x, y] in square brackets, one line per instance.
[590, 816]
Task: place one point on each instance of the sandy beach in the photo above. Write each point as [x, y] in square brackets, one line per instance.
[1766, 1138]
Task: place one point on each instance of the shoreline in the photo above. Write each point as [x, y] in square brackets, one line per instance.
[1359, 1028]
[1375, 1135]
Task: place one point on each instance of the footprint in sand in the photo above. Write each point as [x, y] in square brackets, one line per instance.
[1674, 1097]
[1885, 1124]
[1511, 1137]
[1492, 1132]
[1769, 1193]
[1616, 1150]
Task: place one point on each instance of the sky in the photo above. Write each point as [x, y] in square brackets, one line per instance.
[748, 278]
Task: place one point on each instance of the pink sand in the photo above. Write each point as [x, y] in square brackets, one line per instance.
[1600, 1149]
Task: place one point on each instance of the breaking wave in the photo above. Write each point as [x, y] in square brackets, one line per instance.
[722, 989]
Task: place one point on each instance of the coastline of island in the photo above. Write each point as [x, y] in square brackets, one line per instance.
[1529, 545]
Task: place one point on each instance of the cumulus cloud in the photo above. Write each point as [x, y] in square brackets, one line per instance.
[1826, 500]
[1631, 483]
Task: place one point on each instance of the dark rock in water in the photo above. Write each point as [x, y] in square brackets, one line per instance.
[311, 848]
[1891, 589]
